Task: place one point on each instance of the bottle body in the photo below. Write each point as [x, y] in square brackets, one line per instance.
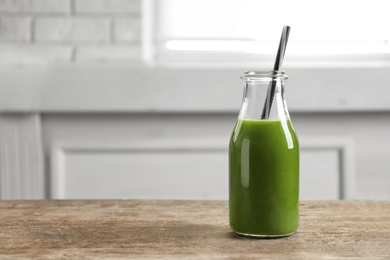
[264, 164]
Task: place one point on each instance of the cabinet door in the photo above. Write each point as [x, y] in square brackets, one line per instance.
[193, 166]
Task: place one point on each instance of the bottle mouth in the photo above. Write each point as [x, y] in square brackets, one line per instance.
[264, 75]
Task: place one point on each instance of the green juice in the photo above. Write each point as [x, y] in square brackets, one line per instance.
[264, 178]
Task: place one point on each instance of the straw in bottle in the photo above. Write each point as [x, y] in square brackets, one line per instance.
[277, 66]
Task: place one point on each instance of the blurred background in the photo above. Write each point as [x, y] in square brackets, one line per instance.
[103, 99]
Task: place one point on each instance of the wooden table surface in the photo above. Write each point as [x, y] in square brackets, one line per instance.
[185, 230]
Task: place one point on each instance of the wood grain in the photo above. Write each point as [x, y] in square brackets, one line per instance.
[185, 230]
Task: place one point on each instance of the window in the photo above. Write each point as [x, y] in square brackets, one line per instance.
[332, 33]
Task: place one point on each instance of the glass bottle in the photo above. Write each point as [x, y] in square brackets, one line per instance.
[264, 161]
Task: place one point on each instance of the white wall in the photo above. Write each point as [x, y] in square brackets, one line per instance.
[69, 31]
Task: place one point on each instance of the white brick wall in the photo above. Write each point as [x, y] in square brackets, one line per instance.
[127, 29]
[68, 31]
[34, 54]
[72, 29]
[108, 6]
[15, 29]
[35, 6]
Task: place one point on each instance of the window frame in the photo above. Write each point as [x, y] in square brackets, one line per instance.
[153, 53]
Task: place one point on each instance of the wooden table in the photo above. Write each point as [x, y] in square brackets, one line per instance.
[185, 230]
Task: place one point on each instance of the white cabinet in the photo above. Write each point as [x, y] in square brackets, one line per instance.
[172, 157]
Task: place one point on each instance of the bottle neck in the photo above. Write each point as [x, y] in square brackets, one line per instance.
[264, 99]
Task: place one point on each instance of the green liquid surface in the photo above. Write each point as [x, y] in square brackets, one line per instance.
[264, 178]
